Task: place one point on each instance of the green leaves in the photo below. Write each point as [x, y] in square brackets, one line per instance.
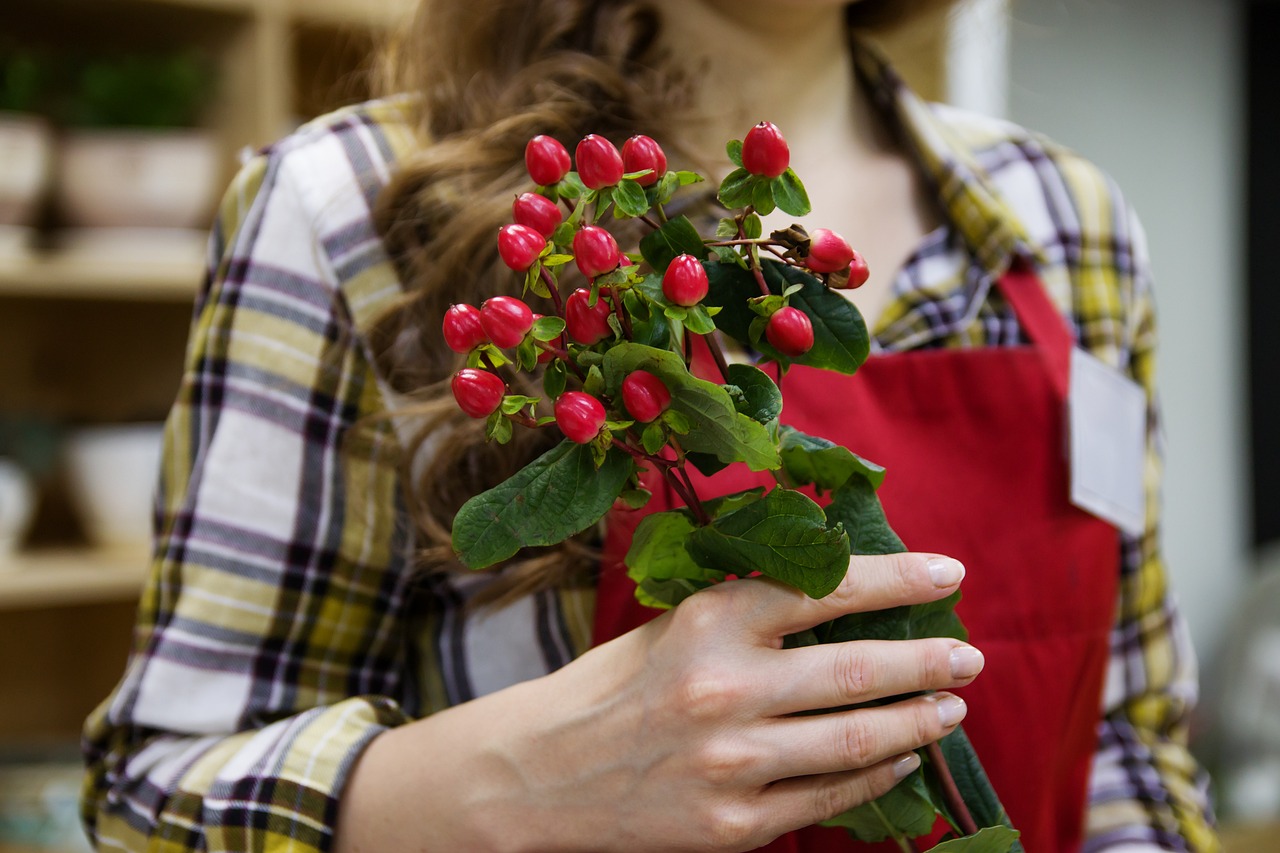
[675, 237]
[740, 188]
[975, 788]
[664, 571]
[783, 536]
[990, 839]
[716, 426]
[809, 459]
[840, 339]
[553, 497]
[907, 811]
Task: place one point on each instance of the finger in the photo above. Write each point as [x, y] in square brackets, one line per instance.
[835, 674]
[797, 803]
[856, 739]
[871, 583]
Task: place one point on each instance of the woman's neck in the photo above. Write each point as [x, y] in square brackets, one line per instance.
[757, 61]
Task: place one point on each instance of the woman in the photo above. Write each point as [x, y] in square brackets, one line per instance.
[299, 680]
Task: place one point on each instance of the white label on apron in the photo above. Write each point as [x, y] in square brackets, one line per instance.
[1108, 418]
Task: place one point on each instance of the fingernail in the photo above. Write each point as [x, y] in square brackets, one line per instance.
[966, 662]
[905, 765]
[945, 571]
[951, 708]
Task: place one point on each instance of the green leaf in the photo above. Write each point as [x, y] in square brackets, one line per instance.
[553, 379]
[789, 193]
[707, 464]
[665, 594]
[678, 423]
[630, 198]
[990, 839]
[783, 536]
[658, 549]
[686, 177]
[665, 188]
[761, 399]
[725, 504]
[841, 342]
[527, 354]
[855, 505]
[498, 428]
[594, 383]
[727, 227]
[716, 426]
[653, 438]
[513, 403]
[906, 811]
[675, 237]
[762, 196]
[698, 321]
[737, 189]
[635, 498]
[810, 459]
[553, 497]
[734, 150]
[547, 328]
[752, 227]
[571, 186]
[976, 789]
[563, 235]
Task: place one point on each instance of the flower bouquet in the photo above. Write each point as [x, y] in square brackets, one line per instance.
[617, 364]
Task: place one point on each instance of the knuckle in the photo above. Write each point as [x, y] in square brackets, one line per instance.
[927, 726]
[701, 614]
[707, 694]
[859, 739]
[731, 826]
[720, 763]
[856, 673]
[830, 800]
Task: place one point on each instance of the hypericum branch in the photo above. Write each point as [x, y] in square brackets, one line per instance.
[717, 353]
[554, 287]
[950, 792]
[684, 489]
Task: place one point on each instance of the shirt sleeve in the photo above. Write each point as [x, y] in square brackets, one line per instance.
[1146, 791]
[268, 643]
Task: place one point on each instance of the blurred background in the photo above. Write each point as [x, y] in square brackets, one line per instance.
[122, 120]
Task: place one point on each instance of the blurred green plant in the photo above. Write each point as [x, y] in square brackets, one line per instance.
[137, 91]
[24, 79]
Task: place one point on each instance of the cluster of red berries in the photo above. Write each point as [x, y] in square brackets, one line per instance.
[538, 222]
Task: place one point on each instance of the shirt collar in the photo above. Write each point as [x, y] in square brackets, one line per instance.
[968, 199]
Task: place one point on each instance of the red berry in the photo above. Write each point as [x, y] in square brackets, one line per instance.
[789, 331]
[579, 416]
[478, 392]
[506, 320]
[599, 163]
[462, 328]
[685, 281]
[764, 151]
[547, 160]
[828, 251]
[587, 325]
[859, 272]
[645, 395]
[639, 153]
[538, 212]
[595, 251]
[519, 246]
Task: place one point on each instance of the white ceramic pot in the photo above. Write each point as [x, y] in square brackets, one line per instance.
[26, 156]
[137, 178]
[111, 471]
[17, 507]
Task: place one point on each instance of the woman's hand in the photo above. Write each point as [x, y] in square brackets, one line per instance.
[684, 734]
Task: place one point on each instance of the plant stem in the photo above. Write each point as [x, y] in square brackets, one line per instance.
[647, 221]
[554, 287]
[687, 494]
[950, 793]
[717, 353]
[488, 362]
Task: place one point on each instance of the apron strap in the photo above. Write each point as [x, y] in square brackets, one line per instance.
[1039, 318]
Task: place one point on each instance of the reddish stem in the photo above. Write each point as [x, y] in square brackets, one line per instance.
[554, 287]
[713, 344]
[950, 793]
[684, 489]
[647, 221]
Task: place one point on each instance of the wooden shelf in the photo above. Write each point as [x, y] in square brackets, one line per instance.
[80, 277]
[66, 576]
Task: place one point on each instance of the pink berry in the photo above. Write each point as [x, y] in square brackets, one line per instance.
[478, 392]
[595, 251]
[599, 163]
[587, 325]
[685, 281]
[858, 273]
[828, 251]
[789, 331]
[519, 246]
[506, 320]
[579, 416]
[639, 153]
[547, 160]
[765, 152]
[645, 395]
[462, 328]
[537, 212]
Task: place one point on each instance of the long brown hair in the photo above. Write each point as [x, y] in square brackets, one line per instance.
[488, 75]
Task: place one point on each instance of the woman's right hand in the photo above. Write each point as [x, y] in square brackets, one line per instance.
[687, 733]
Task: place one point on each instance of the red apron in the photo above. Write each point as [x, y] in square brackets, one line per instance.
[974, 444]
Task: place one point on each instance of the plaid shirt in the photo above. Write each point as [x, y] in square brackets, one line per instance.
[284, 626]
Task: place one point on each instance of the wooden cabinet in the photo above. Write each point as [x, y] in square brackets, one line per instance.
[89, 340]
